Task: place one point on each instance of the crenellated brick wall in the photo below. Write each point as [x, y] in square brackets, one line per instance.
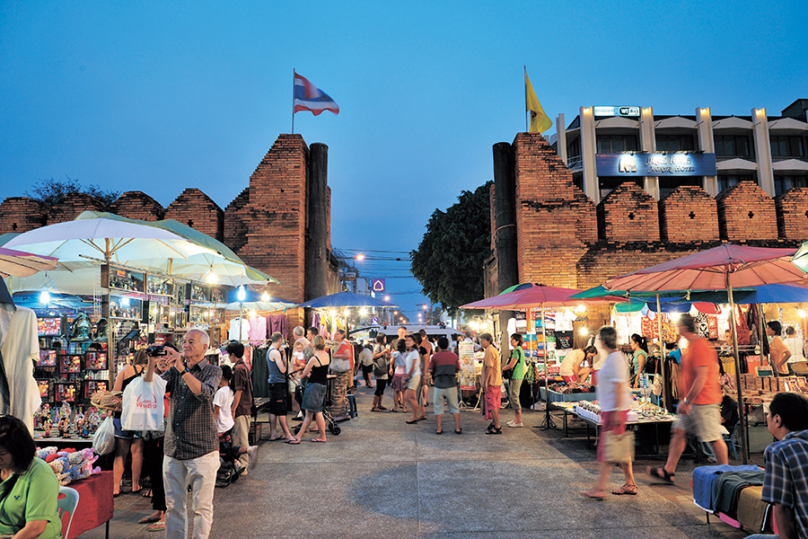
[792, 214]
[197, 210]
[746, 212]
[565, 241]
[688, 215]
[21, 214]
[72, 206]
[138, 205]
[628, 214]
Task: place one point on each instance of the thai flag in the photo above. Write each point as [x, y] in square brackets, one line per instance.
[309, 97]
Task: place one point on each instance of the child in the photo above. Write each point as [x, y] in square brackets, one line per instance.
[223, 408]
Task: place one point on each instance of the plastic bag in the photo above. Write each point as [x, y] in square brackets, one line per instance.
[104, 438]
[143, 407]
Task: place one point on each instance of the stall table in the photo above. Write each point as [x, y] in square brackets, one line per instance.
[96, 505]
[656, 421]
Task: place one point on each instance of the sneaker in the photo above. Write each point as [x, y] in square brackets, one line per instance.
[252, 451]
[510, 423]
[515, 425]
[240, 470]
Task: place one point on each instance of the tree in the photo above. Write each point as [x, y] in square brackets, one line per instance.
[449, 261]
[52, 191]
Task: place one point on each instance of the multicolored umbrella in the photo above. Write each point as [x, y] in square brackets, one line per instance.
[20, 264]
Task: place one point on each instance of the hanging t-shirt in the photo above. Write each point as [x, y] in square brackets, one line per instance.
[564, 320]
[257, 332]
[239, 330]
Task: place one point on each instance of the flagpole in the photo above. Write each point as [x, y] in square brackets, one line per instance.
[527, 129]
[293, 101]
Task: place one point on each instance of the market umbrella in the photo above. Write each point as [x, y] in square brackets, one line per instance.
[532, 296]
[215, 262]
[724, 267]
[21, 264]
[110, 240]
[345, 299]
[245, 299]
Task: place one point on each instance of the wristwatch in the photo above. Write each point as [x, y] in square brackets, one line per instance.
[684, 401]
[186, 371]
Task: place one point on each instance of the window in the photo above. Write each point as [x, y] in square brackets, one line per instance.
[733, 146]
[617, 143]
[675, 143]
[574, 148]
[784, 183]
[729, 180]
[783, 146]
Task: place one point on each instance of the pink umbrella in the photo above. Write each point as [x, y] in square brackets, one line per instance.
[19, 264]
[724, 267]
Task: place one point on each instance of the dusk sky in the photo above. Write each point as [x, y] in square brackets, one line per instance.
[161, 96]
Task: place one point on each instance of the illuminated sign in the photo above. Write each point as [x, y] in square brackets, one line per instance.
[656, 164]
[377, 285]
[629, 112]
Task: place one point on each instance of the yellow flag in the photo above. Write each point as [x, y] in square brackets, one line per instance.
[539, 121]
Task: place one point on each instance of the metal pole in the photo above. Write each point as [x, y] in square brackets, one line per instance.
[662, 352]
[741, 411]
[548, 420]
[527, 128]
[293, 101]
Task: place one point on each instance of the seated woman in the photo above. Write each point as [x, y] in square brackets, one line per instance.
[29, 488]
[572, 369]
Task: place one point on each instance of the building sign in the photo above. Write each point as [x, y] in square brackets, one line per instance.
[377, 285]
[349, 274]
[374, 321]
[656, 164]
[626, 112]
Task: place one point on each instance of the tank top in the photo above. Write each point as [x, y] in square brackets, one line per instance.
[275, 374]
[318, 375]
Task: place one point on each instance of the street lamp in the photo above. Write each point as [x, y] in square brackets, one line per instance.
[386, 298]
[360, 257]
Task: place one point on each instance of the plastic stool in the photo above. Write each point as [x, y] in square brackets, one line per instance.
[352, 406]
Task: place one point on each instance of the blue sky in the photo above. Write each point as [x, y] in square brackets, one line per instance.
[160, 96]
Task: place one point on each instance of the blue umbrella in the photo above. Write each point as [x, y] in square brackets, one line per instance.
[345, 299]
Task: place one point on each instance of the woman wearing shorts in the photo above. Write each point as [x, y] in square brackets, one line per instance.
[412, 379]
[398, 375]
[317, 372]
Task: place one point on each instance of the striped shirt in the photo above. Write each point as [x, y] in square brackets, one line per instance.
[191, 427]
[786, 479]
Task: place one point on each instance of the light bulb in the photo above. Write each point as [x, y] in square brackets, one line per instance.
[583, 332]
[801, 313]
[241, 294]
[212, 278]
[265, 297]
[44, 297]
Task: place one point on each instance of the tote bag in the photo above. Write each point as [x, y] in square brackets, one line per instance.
[143, 406]
[619, 447]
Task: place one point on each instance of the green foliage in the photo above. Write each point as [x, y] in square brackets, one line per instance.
[52, 191]
[449, 261]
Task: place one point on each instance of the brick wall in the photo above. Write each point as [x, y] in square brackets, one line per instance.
[565, 241]
[235, 221]
[72, 206]
[138, 205]
[555, 221]
[688, 215]
[197, 210]
[21, 214]
[274, 216]
[746, 212]
[628, 214]
[792, 214]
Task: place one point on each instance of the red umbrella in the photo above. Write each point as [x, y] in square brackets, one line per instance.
[537, 296]
[19, 264]
[724, 267]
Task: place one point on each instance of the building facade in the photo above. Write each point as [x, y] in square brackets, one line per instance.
[605, 146]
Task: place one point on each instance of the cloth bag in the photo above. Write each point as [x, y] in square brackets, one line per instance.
[104, 438]
[619, 447]
[143, 405]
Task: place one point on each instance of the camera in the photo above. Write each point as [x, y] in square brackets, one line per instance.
[156, 350]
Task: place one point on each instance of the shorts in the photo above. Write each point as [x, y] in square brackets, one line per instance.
[620, 428]
[380, 385]
[367, 369]
[414, 382]
[493, 400]
[120, 433]
[278, 398]
[514, 388]
[398, 382]
[313, 397]
[703, 421]
[450, 394]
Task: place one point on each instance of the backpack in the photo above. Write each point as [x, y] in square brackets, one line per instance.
[380, 367]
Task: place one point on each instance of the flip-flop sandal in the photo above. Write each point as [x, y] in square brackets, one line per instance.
[148, 493]
[628, 490]
[459, 431]
[438, 432]
[293, 442]
[318, 441]
[412, 422]
[148, 520]
[421, 418]
[662, 474]
[133, 491]
[157, 527]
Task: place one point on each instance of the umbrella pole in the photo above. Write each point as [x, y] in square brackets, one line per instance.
[548, 419]
[661, 352]
[741, 411]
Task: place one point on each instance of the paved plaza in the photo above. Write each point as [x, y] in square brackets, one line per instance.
[382, 478]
